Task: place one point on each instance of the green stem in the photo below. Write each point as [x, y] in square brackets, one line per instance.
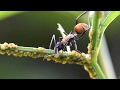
[94, 44]
[94, 41]
[98, 70]
[72, 57]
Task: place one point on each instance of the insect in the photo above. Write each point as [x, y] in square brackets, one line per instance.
[70, 39]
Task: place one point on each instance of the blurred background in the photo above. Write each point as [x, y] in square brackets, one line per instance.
[35, 29]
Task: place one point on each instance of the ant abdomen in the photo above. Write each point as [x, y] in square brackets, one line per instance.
[81, 28]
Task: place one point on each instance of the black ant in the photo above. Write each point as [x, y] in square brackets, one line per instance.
[69, 39]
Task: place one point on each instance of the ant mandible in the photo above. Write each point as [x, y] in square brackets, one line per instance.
[69, 39]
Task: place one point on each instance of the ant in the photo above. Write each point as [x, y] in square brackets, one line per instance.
[69, 39]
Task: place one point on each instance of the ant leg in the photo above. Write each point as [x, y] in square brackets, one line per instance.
[79, 36]
[80, 16]
[53, 38]
[75, 45]
[56, 50]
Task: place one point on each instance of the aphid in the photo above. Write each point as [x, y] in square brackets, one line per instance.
[69, 39]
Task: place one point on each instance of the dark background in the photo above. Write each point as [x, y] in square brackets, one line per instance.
[36, 29]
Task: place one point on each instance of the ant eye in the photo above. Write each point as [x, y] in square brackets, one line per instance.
[81, 28]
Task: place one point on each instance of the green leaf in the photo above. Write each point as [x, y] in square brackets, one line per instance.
[111, 16]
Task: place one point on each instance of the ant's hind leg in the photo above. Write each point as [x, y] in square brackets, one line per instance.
[56, 51]
[53, 38]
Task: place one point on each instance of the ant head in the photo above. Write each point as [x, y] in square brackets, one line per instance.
[81, 28]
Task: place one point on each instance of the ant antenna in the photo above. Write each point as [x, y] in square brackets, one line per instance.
[80, 16]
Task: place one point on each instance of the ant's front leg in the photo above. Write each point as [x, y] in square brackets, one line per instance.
[75, 45]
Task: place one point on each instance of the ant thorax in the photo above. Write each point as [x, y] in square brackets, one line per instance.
[68, 38]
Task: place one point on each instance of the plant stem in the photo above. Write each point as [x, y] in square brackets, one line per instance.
[72, 57]
[94, 36]
[98, 70]
[93, 46]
